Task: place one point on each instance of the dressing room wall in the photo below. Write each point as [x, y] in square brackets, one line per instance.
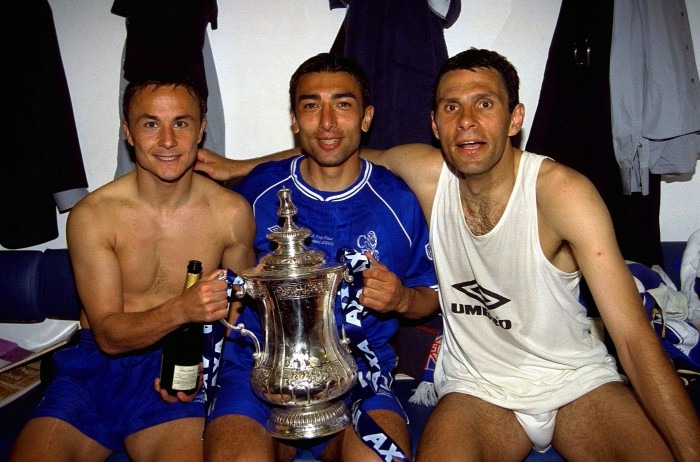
[257, 46]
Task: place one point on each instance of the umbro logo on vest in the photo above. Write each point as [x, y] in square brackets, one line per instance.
[487, 301]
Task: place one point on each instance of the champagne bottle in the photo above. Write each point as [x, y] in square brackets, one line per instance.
[182, 348]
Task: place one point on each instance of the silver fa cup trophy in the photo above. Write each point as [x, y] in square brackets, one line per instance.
[302, 367]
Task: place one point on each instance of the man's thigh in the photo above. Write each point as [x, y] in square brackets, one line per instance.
[237, 437]
[348, 446]
[48, 438]
[176, 440]
[462, 427]
[607, 424]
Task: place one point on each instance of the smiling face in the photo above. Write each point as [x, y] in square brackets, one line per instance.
[329, 118]
[164, 127]
[472, 120]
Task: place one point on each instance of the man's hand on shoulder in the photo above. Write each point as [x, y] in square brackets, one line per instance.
[216, 166]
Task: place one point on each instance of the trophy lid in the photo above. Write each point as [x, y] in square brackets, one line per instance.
[291, 257]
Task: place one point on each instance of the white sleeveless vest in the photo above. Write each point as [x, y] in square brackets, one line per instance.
[515, 333]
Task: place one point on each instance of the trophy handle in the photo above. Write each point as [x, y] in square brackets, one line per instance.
[348, 278]
[344, 340]
[232, 279]
[241, 328]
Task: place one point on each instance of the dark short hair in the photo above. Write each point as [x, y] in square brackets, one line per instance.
[162, 79]
[473, 58]
[327, 62]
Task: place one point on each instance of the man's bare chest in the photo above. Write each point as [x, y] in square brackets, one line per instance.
[482, 216]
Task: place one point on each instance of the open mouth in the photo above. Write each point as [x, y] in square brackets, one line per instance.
[469, 144]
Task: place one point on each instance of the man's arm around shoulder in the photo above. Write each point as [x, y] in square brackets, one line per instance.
[418, 165]
[221, 168]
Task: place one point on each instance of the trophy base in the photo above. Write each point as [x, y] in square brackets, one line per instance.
[307, 422]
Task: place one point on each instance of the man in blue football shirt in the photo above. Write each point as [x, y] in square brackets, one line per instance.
[345, 201]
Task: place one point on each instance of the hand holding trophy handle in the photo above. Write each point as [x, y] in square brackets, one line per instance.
[227, 276]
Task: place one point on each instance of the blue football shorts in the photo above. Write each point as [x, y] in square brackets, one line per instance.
[110, 397]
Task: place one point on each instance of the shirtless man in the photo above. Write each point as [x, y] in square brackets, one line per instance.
[129, 243]
[512, 234]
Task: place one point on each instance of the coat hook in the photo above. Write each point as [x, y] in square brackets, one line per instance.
[581, 59]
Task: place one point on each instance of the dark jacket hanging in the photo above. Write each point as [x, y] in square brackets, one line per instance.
[573, 123]
[44, 161]
[166, 35]
[171, 35]
[401, 45]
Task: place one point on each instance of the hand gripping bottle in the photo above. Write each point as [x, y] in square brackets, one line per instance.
[182, 348]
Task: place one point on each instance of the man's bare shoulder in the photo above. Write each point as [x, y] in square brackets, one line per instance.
[558, 182]
[568, 203]
[211, 190]
[222, 209]
[227, 223]
[108, 198]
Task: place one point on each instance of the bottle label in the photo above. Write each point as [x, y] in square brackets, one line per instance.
[185, 377]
